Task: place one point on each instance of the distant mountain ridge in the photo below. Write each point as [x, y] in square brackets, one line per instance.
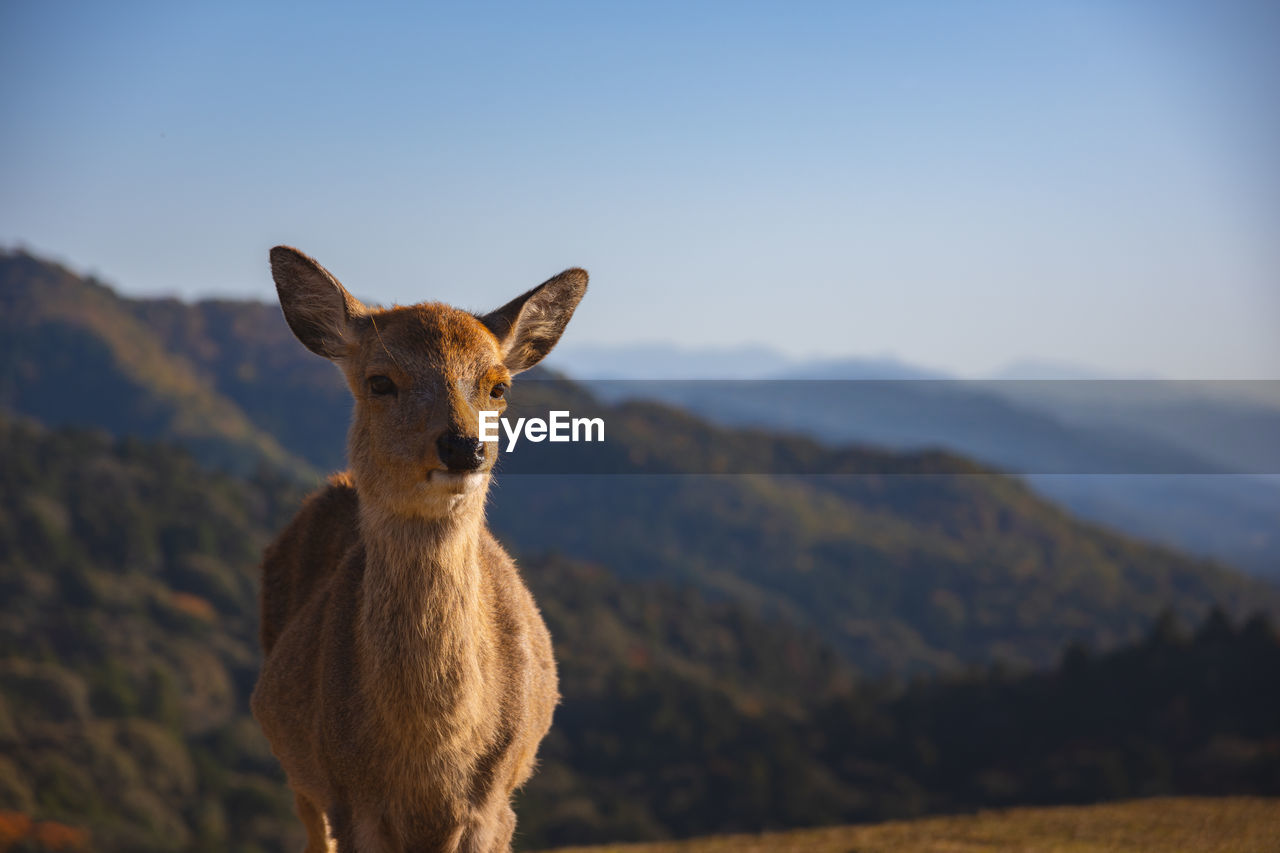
[908, 566]
[1058, 424]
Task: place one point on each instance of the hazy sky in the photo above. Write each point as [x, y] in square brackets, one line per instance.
[961, 185]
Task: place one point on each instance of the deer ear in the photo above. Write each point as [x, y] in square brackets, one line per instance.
[528, 326]
[318, 309]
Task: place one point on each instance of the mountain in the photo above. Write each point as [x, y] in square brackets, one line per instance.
[73, 352]
[879, 369]
[1165, 447]
[1167, 714]
[734, 642]
[1044, 370]
[1112, 473]
[917, 567]
[913, 414]
[244, 352]
[1232, 422]
[128, 644]
[228, 380]
[918, 561]
[905, 562]
[128, 650]
[667, 361]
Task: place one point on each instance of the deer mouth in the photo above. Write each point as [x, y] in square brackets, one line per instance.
[456, 481]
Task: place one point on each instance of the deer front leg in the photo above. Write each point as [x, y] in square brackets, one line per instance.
[505, 828]
[489, 831]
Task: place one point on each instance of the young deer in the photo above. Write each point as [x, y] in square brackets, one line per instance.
[408, 677]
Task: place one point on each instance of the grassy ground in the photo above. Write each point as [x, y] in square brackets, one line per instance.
[1167, 825]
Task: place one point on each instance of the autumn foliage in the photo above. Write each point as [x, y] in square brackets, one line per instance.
[18, 829]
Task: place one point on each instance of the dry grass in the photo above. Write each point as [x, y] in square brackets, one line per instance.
[1167, 825]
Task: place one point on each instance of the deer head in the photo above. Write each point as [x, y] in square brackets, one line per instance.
[420, 376]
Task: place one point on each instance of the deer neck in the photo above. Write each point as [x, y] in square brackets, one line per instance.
[421, 632]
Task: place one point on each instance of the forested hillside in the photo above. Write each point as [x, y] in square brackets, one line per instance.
[72, 352]
[127, 650]
[912, 562]
[128, 643]
[754, 630]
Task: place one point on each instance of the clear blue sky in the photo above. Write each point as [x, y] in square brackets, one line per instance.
[961, 185]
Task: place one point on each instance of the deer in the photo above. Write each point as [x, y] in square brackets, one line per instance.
[407, 676]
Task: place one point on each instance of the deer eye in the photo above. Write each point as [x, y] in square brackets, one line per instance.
[381, 385]
[499, 391]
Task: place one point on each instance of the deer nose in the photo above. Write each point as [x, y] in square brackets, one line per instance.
[460, 452]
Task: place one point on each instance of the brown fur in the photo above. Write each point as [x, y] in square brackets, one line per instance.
[408, 676]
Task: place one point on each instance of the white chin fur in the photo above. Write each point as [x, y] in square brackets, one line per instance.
[457, 481]
[441, 492]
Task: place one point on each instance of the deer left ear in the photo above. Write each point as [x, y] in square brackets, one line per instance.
[528, 326]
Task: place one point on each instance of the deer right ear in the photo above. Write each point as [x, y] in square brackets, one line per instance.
[317, 308]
